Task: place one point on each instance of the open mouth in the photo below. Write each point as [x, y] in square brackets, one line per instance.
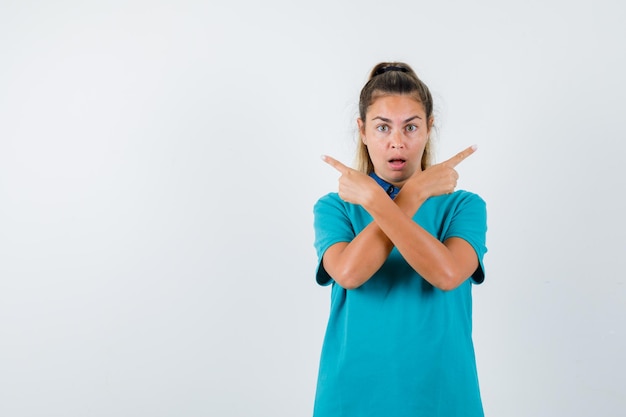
[397, 163]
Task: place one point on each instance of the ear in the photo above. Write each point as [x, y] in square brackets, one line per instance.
[431, 122]
[361, 126]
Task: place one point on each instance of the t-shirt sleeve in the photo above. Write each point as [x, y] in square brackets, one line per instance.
[332, 225]
[469, 222]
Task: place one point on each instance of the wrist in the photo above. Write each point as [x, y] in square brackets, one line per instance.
[410, 199]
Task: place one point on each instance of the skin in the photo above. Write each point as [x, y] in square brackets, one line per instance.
[395, 132]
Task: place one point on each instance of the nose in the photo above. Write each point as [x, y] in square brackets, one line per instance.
[396, 141]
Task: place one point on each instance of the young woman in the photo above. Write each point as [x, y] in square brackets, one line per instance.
[401, 249]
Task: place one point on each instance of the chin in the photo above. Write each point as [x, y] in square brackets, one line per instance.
[397, 180]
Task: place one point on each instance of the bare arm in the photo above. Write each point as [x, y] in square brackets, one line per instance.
[354, 263]
[444, 265]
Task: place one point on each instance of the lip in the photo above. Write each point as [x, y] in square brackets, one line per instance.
[397, 164]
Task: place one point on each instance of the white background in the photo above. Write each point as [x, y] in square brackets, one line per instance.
[159, 162]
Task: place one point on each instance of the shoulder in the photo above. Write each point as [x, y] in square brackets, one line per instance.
[459, 198]
[330, 201]
[464, 195]
[331, 212]
[329, 206]
[328, 198]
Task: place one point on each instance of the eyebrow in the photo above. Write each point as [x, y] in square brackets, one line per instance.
[384, 119]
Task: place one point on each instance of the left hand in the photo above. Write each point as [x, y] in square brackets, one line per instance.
[354, 186]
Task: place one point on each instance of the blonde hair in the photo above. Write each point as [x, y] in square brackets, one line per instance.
[392, 78]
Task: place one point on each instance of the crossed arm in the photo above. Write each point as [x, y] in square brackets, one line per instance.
[445, 265]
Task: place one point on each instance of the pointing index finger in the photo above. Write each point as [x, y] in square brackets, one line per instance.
[335, 164]
[460, 157]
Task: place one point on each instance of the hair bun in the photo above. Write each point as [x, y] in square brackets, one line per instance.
[389, 68]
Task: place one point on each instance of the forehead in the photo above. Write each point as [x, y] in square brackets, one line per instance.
[396, 105]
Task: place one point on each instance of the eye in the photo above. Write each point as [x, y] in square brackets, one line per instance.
[411, 128]
[382, 128]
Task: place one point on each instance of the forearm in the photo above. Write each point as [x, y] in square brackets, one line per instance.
[445, 265]
[359, 260]
[426, 254]
[354, 263]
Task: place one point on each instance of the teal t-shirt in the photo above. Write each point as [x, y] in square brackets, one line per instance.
[397, 346]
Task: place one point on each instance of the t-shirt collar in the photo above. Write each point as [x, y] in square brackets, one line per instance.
[391, 189]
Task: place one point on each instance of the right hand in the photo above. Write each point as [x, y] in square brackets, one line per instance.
[440, 178]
